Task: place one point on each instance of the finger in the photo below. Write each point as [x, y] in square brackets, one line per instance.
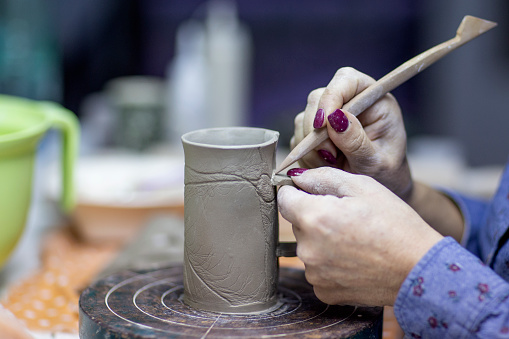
[310, 112]
[312, 159]
[292, 203]
[382, 119]
[324, 154]
[346, 84]
[293, 143]
[298, 133]
[331, 181]
[336, 295]
[347, 133]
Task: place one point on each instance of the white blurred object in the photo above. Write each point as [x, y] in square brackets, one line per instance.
[187, 85]
[229, 61]
[440, 162]
[118, 192]
[129, 180]
[97, 122]
[436, 161]
[482, 181]
[209, 78]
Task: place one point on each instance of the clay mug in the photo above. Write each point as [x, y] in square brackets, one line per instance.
[231, 220]
[23, 123]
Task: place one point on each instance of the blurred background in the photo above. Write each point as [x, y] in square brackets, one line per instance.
[140, 73]
[261, 59]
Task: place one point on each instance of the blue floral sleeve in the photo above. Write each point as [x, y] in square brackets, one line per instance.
[451, 293]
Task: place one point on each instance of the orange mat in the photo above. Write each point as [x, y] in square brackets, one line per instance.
[47, 300]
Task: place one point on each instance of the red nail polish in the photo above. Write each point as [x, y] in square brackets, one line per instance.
[295, 172]
[338, 121]
[327, 156]
[319, 118]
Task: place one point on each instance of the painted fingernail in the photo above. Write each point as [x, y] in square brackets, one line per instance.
[295, 172]
[327, 156]
[319, 118]
[338, 121]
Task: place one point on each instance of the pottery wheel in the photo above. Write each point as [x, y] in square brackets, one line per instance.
[148, 304]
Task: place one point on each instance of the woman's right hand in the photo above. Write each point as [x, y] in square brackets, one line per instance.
[358, 241]
[373, 144]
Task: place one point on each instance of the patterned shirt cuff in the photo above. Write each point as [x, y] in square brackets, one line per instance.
[449, 293]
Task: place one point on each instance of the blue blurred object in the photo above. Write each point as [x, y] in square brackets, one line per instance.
[29, 58]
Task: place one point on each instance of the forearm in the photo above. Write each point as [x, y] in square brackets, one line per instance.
[437, 210]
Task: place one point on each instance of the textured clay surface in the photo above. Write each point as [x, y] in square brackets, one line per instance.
[231, 226]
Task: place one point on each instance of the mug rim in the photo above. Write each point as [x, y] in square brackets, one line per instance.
[274, 135]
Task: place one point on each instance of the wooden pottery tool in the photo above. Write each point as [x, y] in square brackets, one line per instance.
[470, 28]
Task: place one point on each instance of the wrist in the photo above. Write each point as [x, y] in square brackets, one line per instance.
[406, 189]
[437, 209]
[408, 192]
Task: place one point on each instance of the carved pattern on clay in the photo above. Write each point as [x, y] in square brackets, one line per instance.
[231, 229]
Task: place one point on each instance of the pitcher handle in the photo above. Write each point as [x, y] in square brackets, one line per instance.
[68, 125]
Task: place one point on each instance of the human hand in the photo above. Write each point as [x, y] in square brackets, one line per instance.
[374, 143]
[358, 241]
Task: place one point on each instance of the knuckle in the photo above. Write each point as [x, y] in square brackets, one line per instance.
[315, 95]
[299, 118]
[329, 92]
[307, 255]
[311, 276]
[307, 220]
[328, 296]
[365, 181]
[293, 142]
[370, 182]
[346, 71]
[357, 144]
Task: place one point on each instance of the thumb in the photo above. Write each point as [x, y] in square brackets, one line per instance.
[347, 133]
[331, 181]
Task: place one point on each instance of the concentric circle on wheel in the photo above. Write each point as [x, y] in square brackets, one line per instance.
[149, 305]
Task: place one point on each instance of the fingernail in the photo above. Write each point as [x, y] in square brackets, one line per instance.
[295, 172]
[327, 156]
[319, 118]
[338, 121]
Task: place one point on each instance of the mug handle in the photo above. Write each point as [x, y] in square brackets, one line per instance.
[68, 125]
[286, 249]
[289, 248]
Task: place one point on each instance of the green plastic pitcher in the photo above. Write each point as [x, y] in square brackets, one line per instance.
[23, 123]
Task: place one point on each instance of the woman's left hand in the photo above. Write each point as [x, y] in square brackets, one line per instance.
[373, 143]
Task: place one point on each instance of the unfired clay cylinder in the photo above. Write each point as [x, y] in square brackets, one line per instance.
[231, 220]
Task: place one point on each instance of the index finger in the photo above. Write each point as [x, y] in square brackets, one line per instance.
[344, 86]
[292, 202]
